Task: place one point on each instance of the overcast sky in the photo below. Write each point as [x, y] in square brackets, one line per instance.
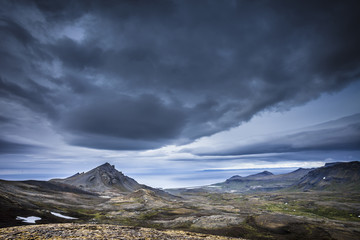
[177, 93]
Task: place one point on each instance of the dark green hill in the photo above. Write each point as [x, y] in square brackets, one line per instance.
[38, 198]
[332, 177]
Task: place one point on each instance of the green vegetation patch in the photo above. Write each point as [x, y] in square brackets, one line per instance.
[332, 213]
[310, 210]
[149, 215]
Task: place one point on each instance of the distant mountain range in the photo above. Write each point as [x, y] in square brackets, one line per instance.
[260, 175]
[268, 176]
[341, 176]
[260, 182]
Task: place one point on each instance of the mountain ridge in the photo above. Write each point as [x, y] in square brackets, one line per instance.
[105, 178]
[250, 177]
[102, 178]
[340, 176]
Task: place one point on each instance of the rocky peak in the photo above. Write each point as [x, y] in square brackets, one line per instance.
[106, 166]
[261, 174]
[101, 178]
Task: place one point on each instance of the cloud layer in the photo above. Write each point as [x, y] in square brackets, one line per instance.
[128, 75]
[338, 135]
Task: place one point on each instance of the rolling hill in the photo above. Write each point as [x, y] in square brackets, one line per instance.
[342, 176]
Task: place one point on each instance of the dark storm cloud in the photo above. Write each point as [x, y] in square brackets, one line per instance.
[33, 95]
[9, 27]
[132, 123]
[4, 119]
[7, 147]
[143, 74]
[74, 55]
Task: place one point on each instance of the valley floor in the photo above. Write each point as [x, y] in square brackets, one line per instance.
[270, 215]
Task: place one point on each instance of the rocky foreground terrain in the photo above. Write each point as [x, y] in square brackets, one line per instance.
[97, 231]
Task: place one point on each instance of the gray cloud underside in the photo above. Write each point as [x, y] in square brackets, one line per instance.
[7, 147]
[144, 74]
[342, 134]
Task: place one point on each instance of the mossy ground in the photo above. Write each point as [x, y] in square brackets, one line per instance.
[274, 215]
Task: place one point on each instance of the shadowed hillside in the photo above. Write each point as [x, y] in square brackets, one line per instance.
[332, 177]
